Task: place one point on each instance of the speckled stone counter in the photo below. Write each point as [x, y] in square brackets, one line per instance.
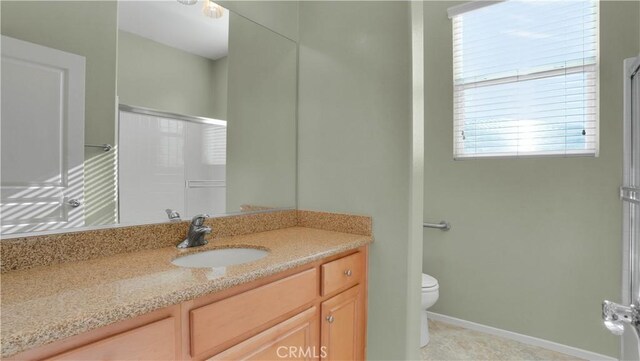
[44, 304]
[19, 252]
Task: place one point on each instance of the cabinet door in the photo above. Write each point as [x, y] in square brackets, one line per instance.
[342, 331]
[293, 339]
[155, 341]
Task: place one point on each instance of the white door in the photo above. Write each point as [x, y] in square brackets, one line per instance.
[42, 141]
[617, 316]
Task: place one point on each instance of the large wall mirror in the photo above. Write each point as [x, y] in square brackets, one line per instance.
[134, 112]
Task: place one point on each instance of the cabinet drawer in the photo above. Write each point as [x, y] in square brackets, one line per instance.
[222, 321]
[342, 273]
[155, 341]
[294, 339]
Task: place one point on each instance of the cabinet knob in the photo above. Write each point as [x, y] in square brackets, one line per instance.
[348, 273]
[330, 319]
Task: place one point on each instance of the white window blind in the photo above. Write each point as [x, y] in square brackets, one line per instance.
[525, 79]
[214, 144]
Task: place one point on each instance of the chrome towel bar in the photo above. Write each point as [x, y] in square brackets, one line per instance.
[443, 225]
[105, 147]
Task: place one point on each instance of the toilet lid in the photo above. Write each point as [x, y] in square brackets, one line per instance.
[428, 281]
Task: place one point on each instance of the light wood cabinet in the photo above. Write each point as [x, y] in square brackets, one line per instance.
[155, 335]
[342, 326]
[293, 339]
[155, 341]
[224, 320]
[342, 273]
[316, 311]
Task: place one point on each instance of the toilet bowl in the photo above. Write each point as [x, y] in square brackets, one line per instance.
[430, 295]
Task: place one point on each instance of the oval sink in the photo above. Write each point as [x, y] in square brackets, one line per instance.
[220, 257]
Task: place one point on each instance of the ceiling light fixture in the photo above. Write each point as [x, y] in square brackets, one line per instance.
[212, 9]
[187, 2]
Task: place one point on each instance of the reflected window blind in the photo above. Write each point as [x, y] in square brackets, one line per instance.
[525, 79]
[214, 144]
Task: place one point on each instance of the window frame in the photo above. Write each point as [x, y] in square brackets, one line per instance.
[576, 69]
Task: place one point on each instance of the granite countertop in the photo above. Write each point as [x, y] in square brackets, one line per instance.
[45, 304]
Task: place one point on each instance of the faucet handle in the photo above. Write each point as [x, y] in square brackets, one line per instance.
[199, 219]
[173, 215]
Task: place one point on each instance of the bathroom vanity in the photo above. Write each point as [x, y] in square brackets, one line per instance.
[305, 300]
[172, 112]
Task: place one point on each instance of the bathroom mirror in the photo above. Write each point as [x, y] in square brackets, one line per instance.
[156, 108]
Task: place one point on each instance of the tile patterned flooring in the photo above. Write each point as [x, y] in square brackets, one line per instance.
[450, 342]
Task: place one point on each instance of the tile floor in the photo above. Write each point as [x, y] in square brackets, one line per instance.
[455, 343]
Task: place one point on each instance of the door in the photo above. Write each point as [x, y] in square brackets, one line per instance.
[341, 335]
[631, 200]
[150, 167]
[293, 339]
[170, 161]
[617, 316]
[205, 168]
[42, 138]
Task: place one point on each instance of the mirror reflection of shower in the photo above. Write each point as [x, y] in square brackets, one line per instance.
[170, 162]
[154, 55]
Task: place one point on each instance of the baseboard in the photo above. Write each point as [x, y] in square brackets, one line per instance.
[529, 340]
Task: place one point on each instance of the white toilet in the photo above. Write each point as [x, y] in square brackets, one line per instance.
[430, 295]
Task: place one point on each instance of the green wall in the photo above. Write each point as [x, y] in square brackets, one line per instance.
[279, 16]
[416, 180]
[87, 28]
[261, 133]
[219, 81]
[354, 147]
[535, 244]
[157, 76]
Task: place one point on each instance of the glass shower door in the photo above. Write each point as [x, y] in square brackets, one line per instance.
[618, 317]
[630, 193]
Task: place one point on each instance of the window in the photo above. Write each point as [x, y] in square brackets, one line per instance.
[525, 78]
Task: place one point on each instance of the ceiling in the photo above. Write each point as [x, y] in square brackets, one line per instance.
[176, 25]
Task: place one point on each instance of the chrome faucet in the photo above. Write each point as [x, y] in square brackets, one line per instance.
[197, 231]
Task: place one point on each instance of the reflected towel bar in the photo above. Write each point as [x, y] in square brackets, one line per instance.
[443, 225]
[105, 147]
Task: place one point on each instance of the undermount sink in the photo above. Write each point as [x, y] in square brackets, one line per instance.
[220, 257]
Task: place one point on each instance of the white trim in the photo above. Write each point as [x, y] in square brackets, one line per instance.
[470, 6]
[529, 340]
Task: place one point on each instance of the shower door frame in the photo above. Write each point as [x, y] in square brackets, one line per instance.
[630, 342]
